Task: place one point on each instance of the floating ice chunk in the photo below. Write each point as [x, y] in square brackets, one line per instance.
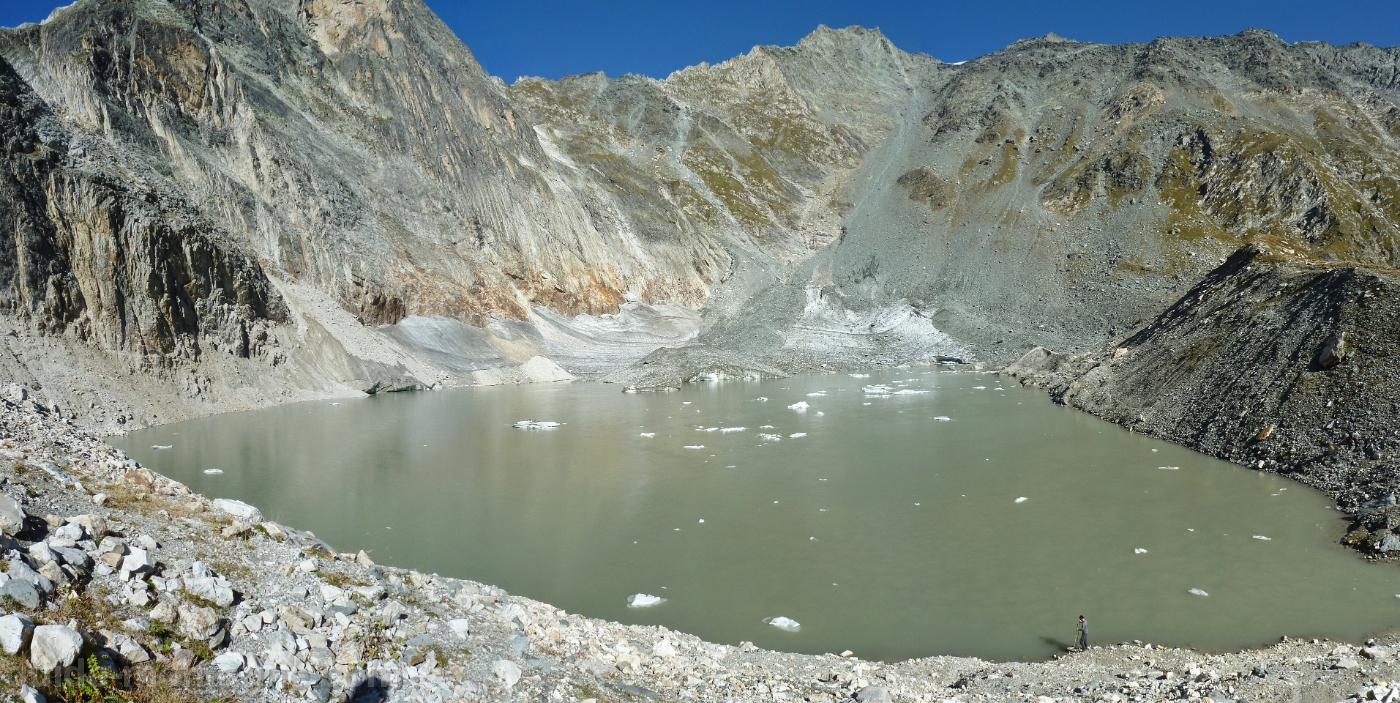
[799, 406]
[795, 435]
[694, 446]
[536, 425]
[1022, 499]
[769, 437]
[760, 399]
[820, 413]
[784, 623]
[865, 403]
[685, 402]
[333, 404]
[1139, 550]
[1154, 451]
[643, 600]
[1197, 592]
[858, 375]
[818, 394]
[1266, 539]
[733, 429]
[213, 472]
[765, 427]
[876, 389]
[1168, 468]
[702, 520]
[943, 418]
[979, 388]
[648, 434]
[909, 391]
[711, 429]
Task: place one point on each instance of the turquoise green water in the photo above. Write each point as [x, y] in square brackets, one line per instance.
[884, 530]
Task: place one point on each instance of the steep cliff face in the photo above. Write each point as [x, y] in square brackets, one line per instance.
[338, 197]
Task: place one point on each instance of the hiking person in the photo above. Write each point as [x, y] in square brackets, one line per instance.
[1083, 631]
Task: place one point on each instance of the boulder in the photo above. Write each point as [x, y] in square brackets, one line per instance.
[874, 694]
[138, 561]
[1346, 663]
[505, 671]
[18, 570]
[229, 662]
[460, 627]
[198, 622]
[22, 591]
[94, 525]
[15, 633]
[210, 589]
[54, 646]
[1333, 351]
[70, 531]
[125, 646]
[74, 557]
[11, 515]
[238, 509]
[165, 612]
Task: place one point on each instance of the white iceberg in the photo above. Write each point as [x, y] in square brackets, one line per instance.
[643, 600]
[648, 434]
[333, 404]
[784, 623]
[708, 429]
[1266, 539]
[1139, 550]
[213, 472]
[820, 413]
[909, 391]
[943, 418]
[760, 399]
[1168, 468]
[1022, 499]
[795, 435]
[1197, 592]
[733, 429]
[769, 437]
[818, 394]
[979, 388]
[858, 375]
[694, 446]
[799, 406]
[765, 427]
[161, 446]
[873, 390]
[536, 425]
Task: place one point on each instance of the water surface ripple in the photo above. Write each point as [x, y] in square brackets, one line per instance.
[885, 529]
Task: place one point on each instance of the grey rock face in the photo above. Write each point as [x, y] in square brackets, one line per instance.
[23, 591]
[210, 589]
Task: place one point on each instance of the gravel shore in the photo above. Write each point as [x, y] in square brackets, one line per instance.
[137, 587]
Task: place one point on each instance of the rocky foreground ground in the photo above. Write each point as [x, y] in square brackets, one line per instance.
[122, 585]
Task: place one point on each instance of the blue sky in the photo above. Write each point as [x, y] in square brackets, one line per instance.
[553, 38]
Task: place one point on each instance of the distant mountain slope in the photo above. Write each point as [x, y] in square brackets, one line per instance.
[343, 185]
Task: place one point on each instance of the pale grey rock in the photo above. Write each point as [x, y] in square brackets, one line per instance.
[54, 646]
[238, 509]
[11, 515]
[18, 570]
[229, 662]
[70, 531]
[506, 671]
[137, 561]
[460, 627]
[41, 552]
[874, 694]
[198, 622]
[147, 542]
[210, 589]
[29, 695]
[15, 632]
[165, 612]
[22, 591]
[1346, 663]
[126, 646]
[74, 557]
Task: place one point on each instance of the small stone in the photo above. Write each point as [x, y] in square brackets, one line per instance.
[507, 672]
[236, 529]
[22, 591]
[11, 516]
[182, 660]
[41, 552]
[1375, 652]
[229, 662]
[21, 571]
[54, 573]
[70, 531]
[308, 566]
[99, 499]
[330, 593]
[15, 632]
[126, 647]
[54, 646]
[1346, 663]
[252, 623]
[459, 627]
[363, 559]
[274, 531]
[147, 542]
[29, 695]
[74, 557]
[136, 562]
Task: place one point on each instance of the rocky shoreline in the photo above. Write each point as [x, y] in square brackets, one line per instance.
[140, 589]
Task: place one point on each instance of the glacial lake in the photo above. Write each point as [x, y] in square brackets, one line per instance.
[876, 525]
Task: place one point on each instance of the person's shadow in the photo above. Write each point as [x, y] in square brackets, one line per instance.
[1058, 644]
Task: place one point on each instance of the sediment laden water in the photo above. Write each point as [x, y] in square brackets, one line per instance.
[907, 513]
